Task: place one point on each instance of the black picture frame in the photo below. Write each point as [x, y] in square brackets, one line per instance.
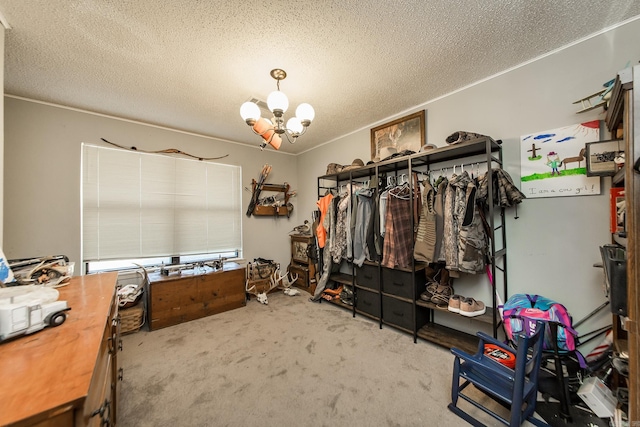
[604, 158]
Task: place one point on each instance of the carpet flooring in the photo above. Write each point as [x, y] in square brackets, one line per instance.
[289, 363]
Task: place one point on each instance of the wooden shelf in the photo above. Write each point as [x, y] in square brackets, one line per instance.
[486, 317]
[260, 210]
[266, 210]
[345, 279]
[339, 303]
[448, 337]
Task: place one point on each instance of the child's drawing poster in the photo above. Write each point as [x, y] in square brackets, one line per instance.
[553, 162]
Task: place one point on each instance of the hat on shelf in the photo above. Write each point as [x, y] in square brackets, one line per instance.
[357, 163]
[387, 152]
[428, 147]
[462, 136]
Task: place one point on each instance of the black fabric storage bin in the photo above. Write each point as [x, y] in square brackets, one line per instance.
[397, 312]
[368, 302]
[397, 282]
[367, 276]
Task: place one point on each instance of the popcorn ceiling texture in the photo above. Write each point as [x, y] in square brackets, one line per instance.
[189, 65]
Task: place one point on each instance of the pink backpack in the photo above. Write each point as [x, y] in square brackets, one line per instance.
[521, 311]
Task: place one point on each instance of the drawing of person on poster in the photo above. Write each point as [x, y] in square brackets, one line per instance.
[552, 162]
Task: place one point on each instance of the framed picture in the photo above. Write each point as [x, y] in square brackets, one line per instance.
[299, 250]
[406, 133]
[604, 158]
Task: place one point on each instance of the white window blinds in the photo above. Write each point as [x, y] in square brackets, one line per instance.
[138, 205]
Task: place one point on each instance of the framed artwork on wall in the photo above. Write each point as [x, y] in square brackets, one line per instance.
[405, 133]
[553, 163]
[604, 158]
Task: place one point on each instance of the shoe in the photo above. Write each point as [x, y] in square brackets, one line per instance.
[445, 278]
[454, 303]
[469, 307]
[431, 289]
[441, 295]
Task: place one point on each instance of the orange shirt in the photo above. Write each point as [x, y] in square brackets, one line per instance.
[323, 205]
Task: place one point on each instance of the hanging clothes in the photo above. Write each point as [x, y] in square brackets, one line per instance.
[373, 236]
[472, 247]
[441, 189]
[398, 241]
[323, 206]
[351, 221]
[331, 243]
[426, 238]
[505, 192]
[464, 236]
[383, 210]
[339, 249]
[454, 205]
[364, 218]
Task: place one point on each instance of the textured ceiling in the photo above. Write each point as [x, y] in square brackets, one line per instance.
[189, 65]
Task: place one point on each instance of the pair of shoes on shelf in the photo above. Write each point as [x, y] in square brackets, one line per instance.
[441, 295]
[439, 289]
[431, 288]
[468, 307]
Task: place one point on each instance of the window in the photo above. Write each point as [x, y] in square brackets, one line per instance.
[137, 205]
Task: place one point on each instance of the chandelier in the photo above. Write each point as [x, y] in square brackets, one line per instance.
[271, 130]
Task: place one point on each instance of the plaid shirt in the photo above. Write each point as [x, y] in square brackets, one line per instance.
[398, 241]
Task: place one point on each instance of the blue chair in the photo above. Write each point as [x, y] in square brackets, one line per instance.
[516, 388]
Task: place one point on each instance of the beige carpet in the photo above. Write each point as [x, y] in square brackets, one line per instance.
[289, 363]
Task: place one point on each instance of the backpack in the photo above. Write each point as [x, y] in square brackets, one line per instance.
[521, 311]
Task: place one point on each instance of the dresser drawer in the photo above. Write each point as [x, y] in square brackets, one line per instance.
[396, 312]
[368, 302]
[367, 276]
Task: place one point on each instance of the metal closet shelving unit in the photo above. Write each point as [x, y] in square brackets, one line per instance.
[397, 306]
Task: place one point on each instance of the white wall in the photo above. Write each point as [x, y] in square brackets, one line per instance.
[42, 168]
[2, 35]
[553, 245]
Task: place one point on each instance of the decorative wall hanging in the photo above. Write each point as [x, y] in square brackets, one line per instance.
[553, 163]
[406, 133]
[166, 151]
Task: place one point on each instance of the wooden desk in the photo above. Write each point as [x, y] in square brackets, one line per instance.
[192, 294]
[60, 375]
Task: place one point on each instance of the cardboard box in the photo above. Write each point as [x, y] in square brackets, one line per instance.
[598, 397]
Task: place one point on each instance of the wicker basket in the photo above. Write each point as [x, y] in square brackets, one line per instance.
[131, 319]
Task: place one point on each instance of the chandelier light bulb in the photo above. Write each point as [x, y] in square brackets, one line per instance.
[277, 101]
[250, 111]
[294, 125]
[305, 112]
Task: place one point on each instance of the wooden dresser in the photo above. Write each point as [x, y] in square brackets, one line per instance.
[66, 375]
[192, 294]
